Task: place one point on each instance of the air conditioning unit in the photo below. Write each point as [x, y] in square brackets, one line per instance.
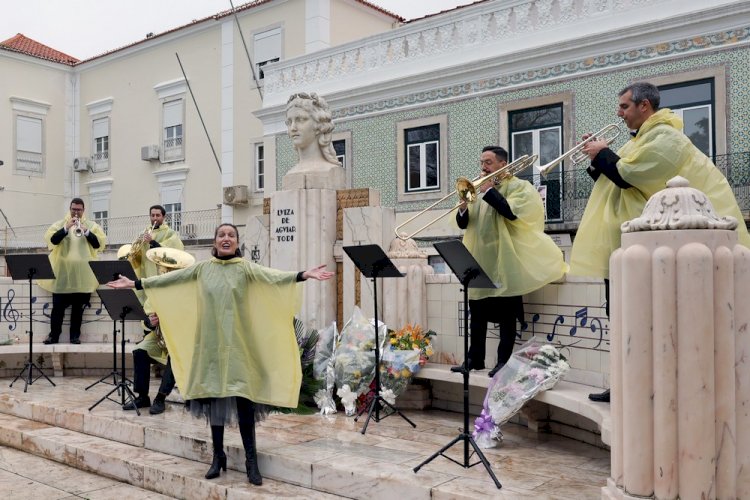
[82, 164]
[235, 195]
[149, 153]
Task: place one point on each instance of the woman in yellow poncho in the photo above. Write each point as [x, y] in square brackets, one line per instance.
[505, 234]
[236, 345]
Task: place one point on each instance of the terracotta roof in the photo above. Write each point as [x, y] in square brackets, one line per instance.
[446, 10]
[26, 45]
[225, 13]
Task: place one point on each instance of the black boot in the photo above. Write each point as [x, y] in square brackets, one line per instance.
[220, 459]
[247, 431]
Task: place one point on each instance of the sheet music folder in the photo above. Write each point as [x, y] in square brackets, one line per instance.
[463, 265]
[372, 261]
[109, 270]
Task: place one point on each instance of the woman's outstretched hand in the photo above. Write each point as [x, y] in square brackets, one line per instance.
[318, 273]
[122, 282]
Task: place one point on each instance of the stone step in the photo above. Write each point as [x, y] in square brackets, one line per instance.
[151, 470]
[315, 454]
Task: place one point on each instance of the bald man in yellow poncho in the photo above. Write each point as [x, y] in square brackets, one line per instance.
[505, 234]
[658, 151]
[74, 280]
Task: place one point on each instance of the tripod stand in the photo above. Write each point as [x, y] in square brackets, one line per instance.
[374, 263]
[106, 271]
[30, 266]
[470, 274]
[122, 305]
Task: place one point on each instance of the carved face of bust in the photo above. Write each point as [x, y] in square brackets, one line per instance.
[301, 127]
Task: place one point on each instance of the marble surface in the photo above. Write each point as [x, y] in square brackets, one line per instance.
[300, 456]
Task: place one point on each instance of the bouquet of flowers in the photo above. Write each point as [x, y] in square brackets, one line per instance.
[407, 350]
[354, 364]
[535, 367]
[323, 369]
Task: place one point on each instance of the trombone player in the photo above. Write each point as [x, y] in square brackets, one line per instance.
[148, 351]
[624, 181]
[504, 231]
[73, 242]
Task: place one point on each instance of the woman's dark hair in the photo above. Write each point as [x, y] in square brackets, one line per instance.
[238, 252]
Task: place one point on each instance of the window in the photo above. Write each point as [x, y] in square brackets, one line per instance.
[171, 200]
[101, 219]
[538, 131]
[100, 204]
[340, 148]
[173, 215]
[100, 146]
[267, 48]
[29, 151]
[694, 103]
[173, 134]
[422, 158]
[259, 167]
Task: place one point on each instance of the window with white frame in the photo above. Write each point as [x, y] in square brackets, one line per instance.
[171, 200]
[538, 131]
[172, 139]
[259, 167]
[100, 146]
[422, 158]
[694, 103]
[340, 148]
[29, 144]
[267, 49]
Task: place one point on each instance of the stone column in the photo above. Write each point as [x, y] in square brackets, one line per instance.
[405, 300]
[302, 235]
[679, 333]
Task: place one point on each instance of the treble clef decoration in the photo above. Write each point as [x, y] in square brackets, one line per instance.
[10, 313]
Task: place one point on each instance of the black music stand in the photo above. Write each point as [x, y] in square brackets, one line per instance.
[122, 305]
[30, 266]
[373, 263]
[471, 275]
[106, 271]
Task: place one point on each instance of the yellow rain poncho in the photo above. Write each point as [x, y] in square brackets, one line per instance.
[70, 259]
[228, 325]
[515, 253]
[657, 153]
[165, 237]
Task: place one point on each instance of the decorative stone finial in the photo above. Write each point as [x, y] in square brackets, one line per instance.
[405, 249]
[678, 207]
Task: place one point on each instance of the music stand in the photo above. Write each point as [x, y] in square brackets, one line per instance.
[106, 271]
[471, 275]
[122, 305]
[30, 266]
[373, 263]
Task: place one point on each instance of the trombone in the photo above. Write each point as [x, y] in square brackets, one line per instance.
[576, 154]
[467, 192]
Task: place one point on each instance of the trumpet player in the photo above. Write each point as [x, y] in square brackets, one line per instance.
[657, 151]
[504, 231]
[73, 242]
[148, 351]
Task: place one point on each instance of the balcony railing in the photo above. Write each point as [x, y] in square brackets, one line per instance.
[192, 226]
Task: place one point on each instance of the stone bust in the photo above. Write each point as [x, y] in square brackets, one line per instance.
[309, 125]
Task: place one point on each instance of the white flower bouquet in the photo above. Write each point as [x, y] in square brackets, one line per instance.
[533, 368]
[323, 369]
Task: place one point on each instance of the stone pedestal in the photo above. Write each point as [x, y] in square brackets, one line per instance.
[257, 243]
[679, 331]
[405, 300]
[365, 226]
[331, 178]
[302, 235]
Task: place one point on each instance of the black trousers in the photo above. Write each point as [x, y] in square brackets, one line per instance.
[502, 310]
[142, 374]
[60, 302]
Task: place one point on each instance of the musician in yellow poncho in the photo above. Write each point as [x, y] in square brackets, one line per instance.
[658, 151]
[505, 234]
[149, 350]
[73, 242]
[228, 324]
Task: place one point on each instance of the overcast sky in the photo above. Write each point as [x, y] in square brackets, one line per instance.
[85, 28]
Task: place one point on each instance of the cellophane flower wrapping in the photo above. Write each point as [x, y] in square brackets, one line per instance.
[407, 350]
[535, 367]
[354, 364]
[323, 369]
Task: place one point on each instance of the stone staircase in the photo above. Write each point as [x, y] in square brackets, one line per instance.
[300, 456]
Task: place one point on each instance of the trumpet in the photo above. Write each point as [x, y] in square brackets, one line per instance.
[78, 231]
[576, 153]
[467, 191]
